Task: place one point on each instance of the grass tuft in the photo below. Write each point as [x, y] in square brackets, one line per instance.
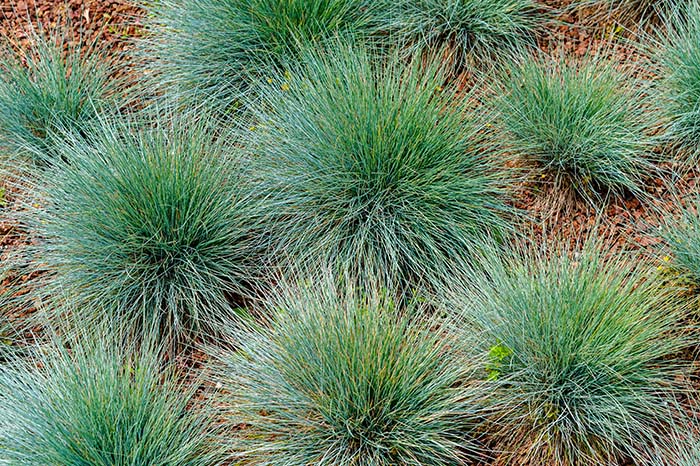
[583, 352]
[7, 305]
[633, 13]
[211, 49]
[471, 29]
[151, 219]
[376, 167]
[679, 54]
[342, 379]
[682, 235]
[583, 123]
[100, 406]
[52, 86]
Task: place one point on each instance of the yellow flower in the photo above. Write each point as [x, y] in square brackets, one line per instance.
[285, 87]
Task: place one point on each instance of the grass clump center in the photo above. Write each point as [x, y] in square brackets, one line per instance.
[97, 405]
[375, 167]
[339, 379]
[219, 50]
[151, 220]
[52, 86]
[472, 30]
[582, 353]
[582, 122]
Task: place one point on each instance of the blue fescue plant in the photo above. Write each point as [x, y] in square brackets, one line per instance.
[379, 167]
[583, 349]
[585, 124]
[52, 86]
[628, 13]
[341, 376]
[6, 306]
[210, 50]
[99, 404]
[473, 30]
[679, 54]
[682, 446]
[682, 235]
[152, 216]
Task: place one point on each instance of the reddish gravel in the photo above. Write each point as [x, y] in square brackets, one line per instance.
[109, 20]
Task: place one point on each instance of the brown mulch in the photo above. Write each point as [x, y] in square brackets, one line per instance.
[112, 22]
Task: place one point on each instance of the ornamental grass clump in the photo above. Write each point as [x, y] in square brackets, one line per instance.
[682, 235]
[628, 13]
[151, 219]
[583, 353]
[99, 405]
[6, 307]
[683, 449]
[212, 49]
[379, 167]
[52, 86]
[639, 10]
[679, 55]
[583, 123]
[342, 377]
[471, 29]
